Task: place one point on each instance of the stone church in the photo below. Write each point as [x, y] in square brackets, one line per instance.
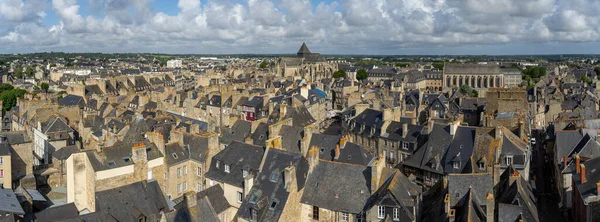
[306, 65]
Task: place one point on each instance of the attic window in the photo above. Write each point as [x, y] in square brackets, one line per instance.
[261, 137]
[456, 164]
[148, 149]
[126, 159]
[481, 165]
[254, 198]
[322, 150]
[175, 155]
[273, 205]
[274, 177]
[112, 163]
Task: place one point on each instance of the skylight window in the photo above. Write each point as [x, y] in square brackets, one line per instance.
[126, 159]
[112, 163]
[274, 177]
[175, 155]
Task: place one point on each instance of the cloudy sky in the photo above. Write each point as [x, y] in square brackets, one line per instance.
[279, 26]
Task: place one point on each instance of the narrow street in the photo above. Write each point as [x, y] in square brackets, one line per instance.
[546, 192]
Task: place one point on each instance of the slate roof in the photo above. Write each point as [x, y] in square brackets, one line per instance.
[404, 192]
[587, 189]
[129, 202]
[238, 132]
[460, 184]
[338, 186]
[269, 197]
[71, 100]
[55, 125]
[429, 156]
[472, 69]
[239, 156]
[291, 138]
[57, 213]
[215, 196]
[9, 202]
[460, 149]
[260, 134]
[516, 191]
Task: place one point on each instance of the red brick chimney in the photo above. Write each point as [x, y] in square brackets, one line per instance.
[583, 179]
[577, 164]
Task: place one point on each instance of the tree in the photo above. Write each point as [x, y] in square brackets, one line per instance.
[467, 90]
[29, 71]
[45, 87]
[438, 65]
[362, 74]
[18, 73]
[585, 79]
[263, 65]
[597, 70]
[52, 65]
[339, 74]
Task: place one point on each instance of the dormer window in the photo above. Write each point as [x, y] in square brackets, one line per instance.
[508, 160]
[274, 177]
[218, 164]
[456, 164]
[226, 168]
[481, 165]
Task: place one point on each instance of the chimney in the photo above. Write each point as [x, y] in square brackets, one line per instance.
[577, 164]
[404, 130]
[388, 115]
[313, 158]
[190, 199]
[583, 179]
[360, 108]
[249, 140]
[282, 110]
[453, 127]
[289, 176]
[490, 206]
[598, 138]
[447, 204]
[430, 124]
[343, 142]
[248, 183]
[564, 162]
[376, 171]
[337, 151]
[304, 91]
[498, 133]
[522, 131]
[598, 189]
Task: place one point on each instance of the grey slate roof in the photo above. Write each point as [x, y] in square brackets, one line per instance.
[459, 185]
[71, 100]
[430, 155]
[9, 202]
[349, 182]
[57, 213]
[215, 195]
[127, 203]
[239, 156]
[265, 191]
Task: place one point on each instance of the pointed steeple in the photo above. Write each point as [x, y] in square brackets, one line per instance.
[303, 51]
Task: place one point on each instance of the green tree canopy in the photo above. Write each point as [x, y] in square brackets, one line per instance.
[45, 87]
[339, 74]
[362, 74]
[597, 70]
[9, 95]
[29, 71]
[18, 72]
[263, 64]
[438, 65]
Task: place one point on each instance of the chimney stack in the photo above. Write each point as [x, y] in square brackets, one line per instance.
[312, 158]
[404, 130]
[453, 128]
[583, 179]
[343, 142]
[498, 133]
[282, 110]
[577, 164]
[304, 91]
[337, 151]
[565, 162]
[190, 199]
[388, 115]
[289, 176]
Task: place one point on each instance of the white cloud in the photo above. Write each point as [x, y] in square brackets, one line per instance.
[280, 25]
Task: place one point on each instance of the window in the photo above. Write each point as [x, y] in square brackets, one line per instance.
[273, 205]
[184, 170]
[226, 168]
[456, 164]
[199, 171]
[178, 188]
[360, 217]
[384, 154]
[380, 212]
[405, 145]
[509, 160]
[274, 177]
[174, 155]
[1, 160]
[240, 197]
[315, 213]
[244, 173]
[481, 165]
[396, 214]
[184, 186]
[392, 155]
[199, 187]
[218, 163]
[344, 216]
[1, 173]
[179, 172]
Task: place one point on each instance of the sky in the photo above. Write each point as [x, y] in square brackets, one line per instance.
[386, 27]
